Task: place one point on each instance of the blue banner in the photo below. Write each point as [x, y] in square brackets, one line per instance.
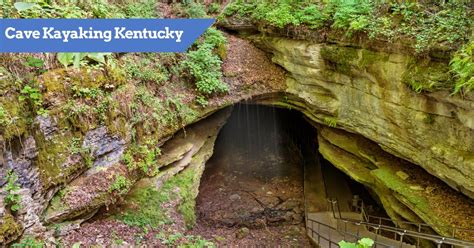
[100, 35]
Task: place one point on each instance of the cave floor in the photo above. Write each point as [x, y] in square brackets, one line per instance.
[252, 198]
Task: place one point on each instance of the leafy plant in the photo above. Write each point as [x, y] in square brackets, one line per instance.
[142, 157]
[46, 9]
[427, 24]
[146, 71]
[120, 185]
[78, 59]
[362, 243]
[213, 8]
[12, 199]
[34, 97]
[462, 65]
[195, 10]
[202, 101]
[140, 9]
[205, 67]
[28, 242]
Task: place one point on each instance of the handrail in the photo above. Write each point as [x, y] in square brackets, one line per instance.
[453, 241]
[362, 208]
[319, 234]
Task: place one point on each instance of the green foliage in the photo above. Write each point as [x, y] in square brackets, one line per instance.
[152, 111]
[121, 185]
[180, 240]
[202, 101]
[150, 213]
[34, 97]
[186, 181]
[35, 63]
[43, 9]
[214, 38]
[332, 122]
[82, 59]
[362, 243]
[103, 9]
[28, 242]
[85, 92]
[195, 10]
[12, 199]
[142, 157]
[462, 66]
[428, 24]
[140, 9]
[352, 15]
[213, 8]
[81, 9]
[205, 67]
[146, 70]
[5, 118]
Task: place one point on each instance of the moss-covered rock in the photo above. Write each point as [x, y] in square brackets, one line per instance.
[183, 161]
[405, 190]
[9, 229]
[365, 92]
[14, 117]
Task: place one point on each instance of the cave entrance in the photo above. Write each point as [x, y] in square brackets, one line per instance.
[263, 177]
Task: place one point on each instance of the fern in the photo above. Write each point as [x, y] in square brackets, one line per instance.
[462, 65]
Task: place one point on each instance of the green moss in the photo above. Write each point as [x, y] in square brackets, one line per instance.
[368, 58]
[62, 80]
[425, 75]
[390, 179]
[340, 59]
[9, 229]
[149, 211]
[51, 156]
[14, 121]
[187, 181]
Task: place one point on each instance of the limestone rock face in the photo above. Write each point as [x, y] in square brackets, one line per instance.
[404, 190]
[366, 92]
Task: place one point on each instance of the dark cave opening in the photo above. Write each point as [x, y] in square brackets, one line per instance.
[257, 177]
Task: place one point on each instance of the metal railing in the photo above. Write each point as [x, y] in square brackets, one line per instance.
[420, 227]
[398, 233]
[318, 234]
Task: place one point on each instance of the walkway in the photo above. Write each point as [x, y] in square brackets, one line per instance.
[328, 231]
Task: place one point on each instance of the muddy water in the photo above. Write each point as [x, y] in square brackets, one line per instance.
[255, 179]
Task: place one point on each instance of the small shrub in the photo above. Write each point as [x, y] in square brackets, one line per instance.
[142, 157]
[214, 37]
[146, 71]
[205, 67]
[195, 10]
[213, 8]
[120, 185]
[462, 66]
[202, 101]
[140, 9]
[34, 97]
[12, 199]
[28, 242]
